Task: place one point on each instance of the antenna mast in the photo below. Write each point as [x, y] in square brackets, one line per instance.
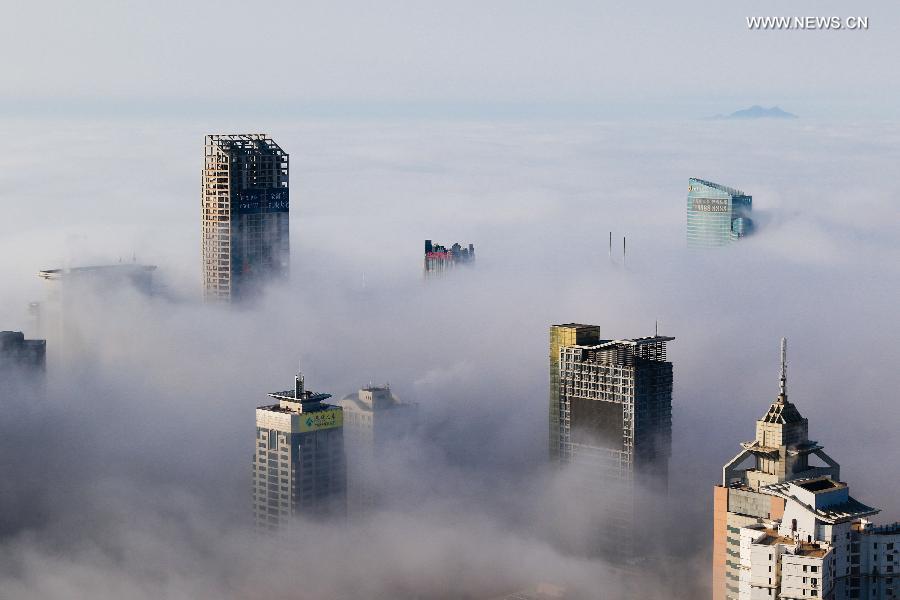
[783, 379]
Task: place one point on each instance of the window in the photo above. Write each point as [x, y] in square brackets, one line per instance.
[804, 568]
[813, 593]
[814, 568]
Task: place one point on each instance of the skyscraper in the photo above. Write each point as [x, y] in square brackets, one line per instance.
[299, 466]
[611, 425]
[611, 402]
[439, 259]
[716, 214]
[245, 215]
[785, 528]
[28, 357]
[373, 419]
[73, 294]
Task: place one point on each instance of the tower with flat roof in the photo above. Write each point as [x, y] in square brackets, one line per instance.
[716, 214]
[245, 204]
[375, 421]
[611, 425]
[23, 364]
[299, 466]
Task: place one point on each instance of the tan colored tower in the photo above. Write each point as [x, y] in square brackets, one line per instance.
[780, 452]
[570, 334]
[245, 203]
[299, 466]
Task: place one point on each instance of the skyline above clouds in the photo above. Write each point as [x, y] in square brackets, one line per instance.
[538, 201]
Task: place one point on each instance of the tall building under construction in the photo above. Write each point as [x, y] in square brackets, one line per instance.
[611, 402]
[299, 466]
[611, 422]
[785, 528]
[245, 203]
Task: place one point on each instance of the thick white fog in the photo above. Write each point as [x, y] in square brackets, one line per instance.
[132, 478]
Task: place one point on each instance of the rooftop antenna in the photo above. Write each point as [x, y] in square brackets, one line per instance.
[610, 246]
[623, 250]
[656, 328]
[783, 379]
[299, 383]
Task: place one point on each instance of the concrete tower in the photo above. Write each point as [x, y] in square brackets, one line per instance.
[246, 236]
[785, 529]
[374, 419]
[780, 452]
[611, 425]
[299, 467]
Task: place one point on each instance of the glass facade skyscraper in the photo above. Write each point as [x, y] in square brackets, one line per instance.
[716, 214]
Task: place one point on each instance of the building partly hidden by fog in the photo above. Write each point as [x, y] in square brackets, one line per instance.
[75, 296]
[299, 465]
[611, 425]
[245, 204]
[375, 424]
[787, 528]
[440, 259]
[23, 363]
[717, 215]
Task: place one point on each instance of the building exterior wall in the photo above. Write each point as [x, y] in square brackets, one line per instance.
[245, 206]
[610, 424]
[299, 462]
[716, 215]
[374, 421]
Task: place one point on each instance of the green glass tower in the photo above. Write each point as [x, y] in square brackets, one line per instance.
[716, 214]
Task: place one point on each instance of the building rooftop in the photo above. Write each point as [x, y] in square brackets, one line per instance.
[771, 537]
[285, 409]
[116, 269]
[717, 186]
[782, 411]
[820, 484]
[246, 143]
[835, 513]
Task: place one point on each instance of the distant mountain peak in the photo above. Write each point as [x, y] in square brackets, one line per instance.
[759, 112]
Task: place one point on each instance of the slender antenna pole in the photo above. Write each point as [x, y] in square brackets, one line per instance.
[610, 246]
[623, 249]
[784, 367]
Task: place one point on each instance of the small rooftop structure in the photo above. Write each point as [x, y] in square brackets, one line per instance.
[829, 500]
[299, 399]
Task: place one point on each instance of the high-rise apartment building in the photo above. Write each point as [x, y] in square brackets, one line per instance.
[373, 419]
[611, 425]
[716, 214]
[439, 259]
[245, 207]
[611, 403]
[299, 467]
[22, 362]
[75, 294]
[785, 528]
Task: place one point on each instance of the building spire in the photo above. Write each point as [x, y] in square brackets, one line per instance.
[783, 380]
